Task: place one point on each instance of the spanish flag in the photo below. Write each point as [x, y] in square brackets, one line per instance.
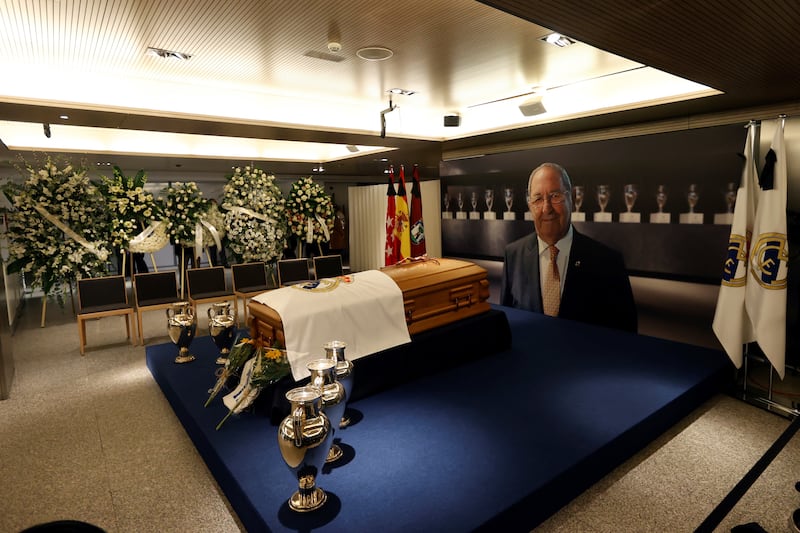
[402, 228]
[391, 241]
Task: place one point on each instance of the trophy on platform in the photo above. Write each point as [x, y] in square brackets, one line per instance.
[603, 196]
[473, 200]
[661, 198]
[446, 213]
[508, 195]
[181, 327]
[578, 192]
[631, 193]
[692, 197]
[730, 196]
[460, 201]
[488, 197]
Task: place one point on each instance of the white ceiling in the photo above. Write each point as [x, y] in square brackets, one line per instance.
[267, 63]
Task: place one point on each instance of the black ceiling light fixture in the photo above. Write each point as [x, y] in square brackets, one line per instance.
[389, 109]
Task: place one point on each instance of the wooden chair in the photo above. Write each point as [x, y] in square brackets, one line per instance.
[102, 297]
[249, 279]
[208, 285]
[293, 271]
[153, 291]
[328, 266]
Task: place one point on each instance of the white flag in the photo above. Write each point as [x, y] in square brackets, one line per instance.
[731, 323]
[769, 255]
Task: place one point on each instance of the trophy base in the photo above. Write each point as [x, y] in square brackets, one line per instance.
[660, 218]
[602, 217]
[334, 454]
[474, 215]
[490, 215]
[691, 218]
[509, 215]
[630, 217]
[447, 215]
[578, 217]
[461, 215]
[184, 358]
[527, 215]
[723, 218]
[305, 500]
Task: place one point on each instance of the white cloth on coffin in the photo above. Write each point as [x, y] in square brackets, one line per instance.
[365, 310]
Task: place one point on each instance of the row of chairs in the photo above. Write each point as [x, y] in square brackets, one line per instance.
[108, 296]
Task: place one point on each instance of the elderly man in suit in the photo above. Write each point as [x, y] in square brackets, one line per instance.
[561, 272]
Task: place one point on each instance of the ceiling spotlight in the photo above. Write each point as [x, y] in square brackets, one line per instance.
[532, 106]
[557, 39]
[320, 168]
[167, 54]
[64, 117]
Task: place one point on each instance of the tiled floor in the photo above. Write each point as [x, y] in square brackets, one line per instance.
[92, 438]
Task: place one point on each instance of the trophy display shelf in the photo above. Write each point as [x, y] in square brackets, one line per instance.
[435, 292]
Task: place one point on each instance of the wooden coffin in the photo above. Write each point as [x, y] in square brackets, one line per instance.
[435, 292]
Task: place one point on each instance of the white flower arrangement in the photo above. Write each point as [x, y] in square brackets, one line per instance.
[130, 207]
[216, 219]
[183, 206]
[255, 215]
[310, 208]
[57, 230]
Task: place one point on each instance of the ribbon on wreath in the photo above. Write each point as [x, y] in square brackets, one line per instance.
[198, 235]
[310, 229]
[101, 254]
[249, 212]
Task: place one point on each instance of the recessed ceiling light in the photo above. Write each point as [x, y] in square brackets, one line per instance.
[374, 53]
[557, 39]
[167, 54]
[64, 117]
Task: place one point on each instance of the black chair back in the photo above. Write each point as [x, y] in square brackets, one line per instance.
[292, 271]
[328, 266]
[155, 288]
[96, 294]
[204, 282]
[249, 277]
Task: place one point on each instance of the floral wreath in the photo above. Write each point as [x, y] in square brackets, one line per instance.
[131, 208]
[255, 215]
[56, 230]
[310, 211]
[184, 206]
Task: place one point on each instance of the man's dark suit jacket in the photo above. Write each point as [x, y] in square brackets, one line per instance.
[597, 289]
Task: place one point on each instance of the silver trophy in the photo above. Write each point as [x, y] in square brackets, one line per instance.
[730, 196]
[661, 198]
[182, 327]
[508, 196]
[603, 196]
[334, 397]
[578, 193]
[692, 197]
[631, 193]
[488, 197]
[334, 350]
[222, 329]
[304, 439]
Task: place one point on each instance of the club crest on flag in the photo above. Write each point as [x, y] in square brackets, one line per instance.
[734, 272]
[768, 261]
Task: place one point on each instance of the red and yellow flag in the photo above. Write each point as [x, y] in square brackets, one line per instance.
[402, 228]
[391, 241]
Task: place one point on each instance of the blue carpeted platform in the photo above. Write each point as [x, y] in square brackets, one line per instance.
[495, 442]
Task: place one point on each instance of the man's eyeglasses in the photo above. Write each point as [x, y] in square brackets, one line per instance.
[555, 197]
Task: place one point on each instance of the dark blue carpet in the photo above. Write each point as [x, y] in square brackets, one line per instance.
[494, 442]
